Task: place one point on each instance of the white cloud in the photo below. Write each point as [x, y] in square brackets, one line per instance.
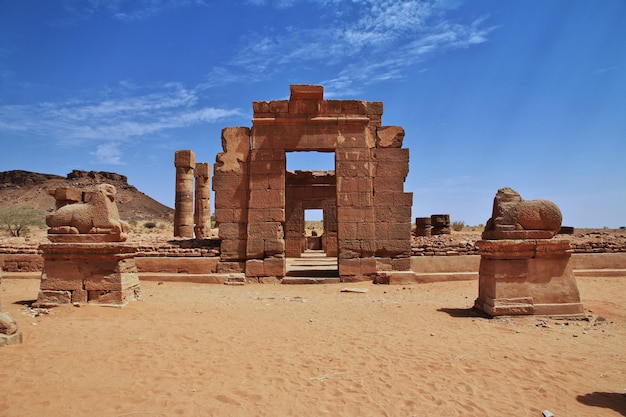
[109, 153]
[367, 40]
[128, 113]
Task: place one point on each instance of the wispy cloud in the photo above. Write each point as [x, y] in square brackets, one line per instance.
[367, 41]
[133, 112]
[109, 153]
[124, 10]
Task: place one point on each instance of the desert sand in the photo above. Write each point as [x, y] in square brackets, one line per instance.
[312, 350]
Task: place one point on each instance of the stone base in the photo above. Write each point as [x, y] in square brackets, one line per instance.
[100, 273]
[525, 277]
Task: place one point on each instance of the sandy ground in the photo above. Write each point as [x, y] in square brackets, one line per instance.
[279, 350]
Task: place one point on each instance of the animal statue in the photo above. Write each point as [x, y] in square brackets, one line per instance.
[97, 215]
[514, 217]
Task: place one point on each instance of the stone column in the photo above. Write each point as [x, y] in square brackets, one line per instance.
[185, 162]
[202, 214]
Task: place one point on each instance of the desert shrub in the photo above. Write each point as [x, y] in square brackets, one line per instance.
[18, 219]
[150, 225]
[132, 223]
[457, 226]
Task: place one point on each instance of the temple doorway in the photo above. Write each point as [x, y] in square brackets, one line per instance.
[311, 216]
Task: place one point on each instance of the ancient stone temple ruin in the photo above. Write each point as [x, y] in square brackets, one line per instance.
[87, 260]
[259, 205]
[523, 270]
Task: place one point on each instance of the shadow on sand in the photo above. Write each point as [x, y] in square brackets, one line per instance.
[464, 312]
[611, 400]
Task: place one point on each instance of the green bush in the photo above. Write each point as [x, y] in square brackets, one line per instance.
[150, 225]
[17, 219]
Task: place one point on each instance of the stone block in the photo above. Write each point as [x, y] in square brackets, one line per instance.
[230, 215]
[356, 141]
[255, 268]
[267, 199]
[266, 214]
[355, 199]
[354, 185]
[272, 181]
[233, 198]
[309, 107]
[306, 92]
[265, 167]
[274, 247]
[110, 282]
[401, 264]
[393, 248]
[67, 194]
[391, 169]
[185, 158]
[389, 137]
[354, 169]
[278, 106]
[225, 182]
[274, 267]
[352, 155]
[265, 230]
[232, 230]
[61, 276]
[79, 296]
[355, 214]
[397, 155]
[393, 198]
[52, 298]
[387, 184]
[260, 107]
[400, 231]
[233, 249]
[393, 214]
[224, 267]
[255, 248]
[349, 266]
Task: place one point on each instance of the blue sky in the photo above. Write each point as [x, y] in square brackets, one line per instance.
[523, 94]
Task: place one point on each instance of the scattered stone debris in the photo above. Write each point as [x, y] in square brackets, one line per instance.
[355, 290]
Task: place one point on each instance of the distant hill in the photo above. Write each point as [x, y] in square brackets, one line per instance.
[31, 188]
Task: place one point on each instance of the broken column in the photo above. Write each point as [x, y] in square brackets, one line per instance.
[523, 270]
[185, 162]
[202, 213]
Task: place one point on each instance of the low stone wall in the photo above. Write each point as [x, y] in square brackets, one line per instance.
[430, 255]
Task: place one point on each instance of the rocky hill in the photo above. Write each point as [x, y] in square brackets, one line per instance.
[31, 188]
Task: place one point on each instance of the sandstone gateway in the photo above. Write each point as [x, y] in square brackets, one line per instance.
[259, 205]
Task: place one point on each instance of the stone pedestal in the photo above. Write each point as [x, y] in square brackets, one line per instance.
[100, 273]
[531, 276]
